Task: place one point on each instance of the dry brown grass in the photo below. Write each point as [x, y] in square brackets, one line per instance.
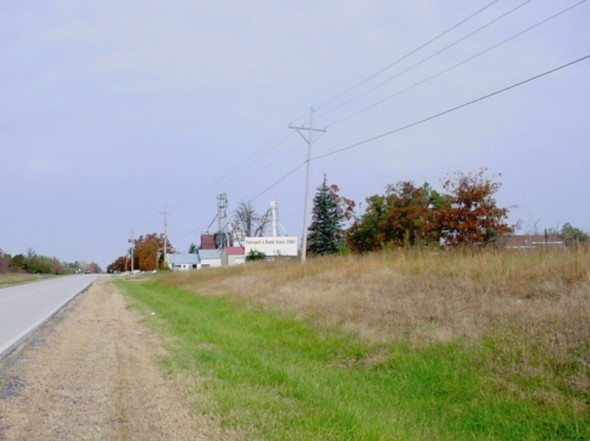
[93, 373]
[419, 296]
[8, 279]
[532, 309]
[536, 306]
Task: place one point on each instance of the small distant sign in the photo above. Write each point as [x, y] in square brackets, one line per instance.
[272, 246]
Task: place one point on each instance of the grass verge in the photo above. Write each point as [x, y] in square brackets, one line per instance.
[10, 279]
[273, 377]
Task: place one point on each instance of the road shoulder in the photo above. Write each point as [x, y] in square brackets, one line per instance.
[92, 373]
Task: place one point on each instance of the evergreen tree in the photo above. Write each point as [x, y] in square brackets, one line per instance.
[325, 233]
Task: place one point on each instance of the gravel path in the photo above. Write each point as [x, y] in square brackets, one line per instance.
[92, 374]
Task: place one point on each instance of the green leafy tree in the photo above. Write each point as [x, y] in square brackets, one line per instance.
[18, 263]
[192, 249]
[365, 234]
[472, 217]
[4, 261]
[572, 236]
[325, 232]
[45, 265]
[404, 216]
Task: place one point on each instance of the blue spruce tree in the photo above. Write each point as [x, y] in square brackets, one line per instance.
[325, 233]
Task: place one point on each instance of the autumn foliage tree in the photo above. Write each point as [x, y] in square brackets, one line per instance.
[408, 216]
[121, 264]
[472, 217]
[148, 254]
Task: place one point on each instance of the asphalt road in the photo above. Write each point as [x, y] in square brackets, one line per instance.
[24, 307]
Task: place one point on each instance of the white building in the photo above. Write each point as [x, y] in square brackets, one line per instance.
[183, 261]
[210, 258]
[231, 256]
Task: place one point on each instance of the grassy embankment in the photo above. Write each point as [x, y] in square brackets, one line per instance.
[9, 279]
[404, 346]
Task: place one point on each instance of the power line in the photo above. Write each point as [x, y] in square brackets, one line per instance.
[422, 61]
[487, 6]
[416, 123]
[291, 172]
[460, 63]
[412, 52]
[238, 170]
[452, 109]
[266, 166]
[277, 182]
[275, 141]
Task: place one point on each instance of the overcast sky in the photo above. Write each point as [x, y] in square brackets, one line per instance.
[112, 111]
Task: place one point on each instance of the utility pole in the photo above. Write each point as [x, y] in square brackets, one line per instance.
[309, 141]
[132, 242]
[222, 219]
[165, 213]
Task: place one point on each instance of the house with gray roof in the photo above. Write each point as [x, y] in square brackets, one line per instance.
[183, 261]
[210, 258]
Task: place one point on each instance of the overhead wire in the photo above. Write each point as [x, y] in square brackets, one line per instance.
[267, 147]
[277, 182]
[237, 170]
[456, 65]
[407, 55]
[452, 109]
[422, 61]
[274, 142]
[422, 121]
[268, 165]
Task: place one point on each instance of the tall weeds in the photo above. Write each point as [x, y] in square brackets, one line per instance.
[532, 309]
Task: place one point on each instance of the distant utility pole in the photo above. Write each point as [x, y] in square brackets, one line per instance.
[132, 242]
[309, 141]
[222, 204]
[165, 213]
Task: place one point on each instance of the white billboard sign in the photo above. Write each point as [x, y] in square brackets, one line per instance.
[272, 246]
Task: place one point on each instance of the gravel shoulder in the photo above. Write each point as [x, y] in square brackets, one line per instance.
[92, 373]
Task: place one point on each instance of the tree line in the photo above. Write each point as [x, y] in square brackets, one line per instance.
[464, 215]
[34, 263]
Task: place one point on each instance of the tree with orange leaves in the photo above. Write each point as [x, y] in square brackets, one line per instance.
[472, 217]
[149, 252]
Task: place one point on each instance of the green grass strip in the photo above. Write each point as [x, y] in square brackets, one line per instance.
[274, 378]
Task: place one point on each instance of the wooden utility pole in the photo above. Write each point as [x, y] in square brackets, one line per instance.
[165, 213]
[132, 242]
[309, 141]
